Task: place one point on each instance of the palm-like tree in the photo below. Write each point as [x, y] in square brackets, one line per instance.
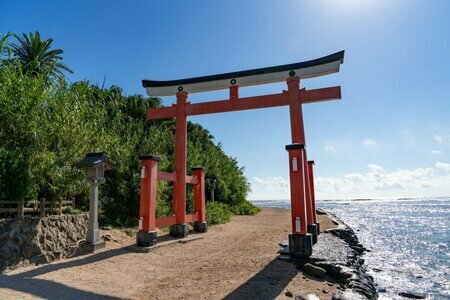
[36, 56]
[5, 49]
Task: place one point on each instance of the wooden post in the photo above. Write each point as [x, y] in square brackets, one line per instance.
[200, 200]
[297, 180]
[146, 236]
[60, 206]
[42, 207]
[73, 202]
[20, 210]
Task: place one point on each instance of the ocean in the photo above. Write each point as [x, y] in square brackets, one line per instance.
[408, 239]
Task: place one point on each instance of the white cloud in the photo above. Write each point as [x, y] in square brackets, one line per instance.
[329, 148]
[270, 188]
[443, 166]
[375, 168]
[369, 143]
[436, 152]
[379, 183]
[438, 138]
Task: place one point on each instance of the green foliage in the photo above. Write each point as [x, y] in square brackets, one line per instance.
[72, 211]
[217, 213]
[46, 126]
[245, 208]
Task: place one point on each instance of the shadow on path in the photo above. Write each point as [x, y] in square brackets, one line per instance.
[267, 283]
[47, 289]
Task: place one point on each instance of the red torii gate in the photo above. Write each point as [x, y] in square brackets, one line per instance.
[304, 223]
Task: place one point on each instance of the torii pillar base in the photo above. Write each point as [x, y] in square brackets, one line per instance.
[201, 227]
[300, 246]
[313, 229]
[146, 239]
[178, 230]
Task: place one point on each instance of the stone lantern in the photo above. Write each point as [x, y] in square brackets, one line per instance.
[212, 181]
[94, 166]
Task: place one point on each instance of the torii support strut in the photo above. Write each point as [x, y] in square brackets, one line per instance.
[304, 224]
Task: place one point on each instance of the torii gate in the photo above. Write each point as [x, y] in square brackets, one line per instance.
[304, 223]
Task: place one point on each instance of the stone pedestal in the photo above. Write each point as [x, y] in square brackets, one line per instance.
[178, 230]
[300, 246]
[146, 239]
[94, 247]
[93, 233]
[201, 227]
[312, 229]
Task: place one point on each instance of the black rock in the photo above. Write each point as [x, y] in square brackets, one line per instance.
[289, 294]
[412, 295]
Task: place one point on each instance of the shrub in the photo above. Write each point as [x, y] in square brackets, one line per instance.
[217, 213]
[245, 208]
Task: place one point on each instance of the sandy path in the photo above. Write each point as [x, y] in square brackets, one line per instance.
[235, 260]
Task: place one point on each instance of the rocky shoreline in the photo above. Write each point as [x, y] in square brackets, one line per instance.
[337, 256]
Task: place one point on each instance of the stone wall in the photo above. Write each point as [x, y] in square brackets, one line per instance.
[40, 240]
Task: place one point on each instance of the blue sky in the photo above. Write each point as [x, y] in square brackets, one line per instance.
[388, 137]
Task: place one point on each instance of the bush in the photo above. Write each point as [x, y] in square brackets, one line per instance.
[245, 208]
[217, 213]
[46, 125]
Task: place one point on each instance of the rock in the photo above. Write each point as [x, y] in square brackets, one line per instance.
[412, 295]
[324, 291]
[107, 238]
[107, 228]
[376, 270]
[314, 270]
[312, 297]
[284, 243]
[289, 294]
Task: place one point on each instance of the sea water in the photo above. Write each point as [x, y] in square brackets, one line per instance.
[408, 239]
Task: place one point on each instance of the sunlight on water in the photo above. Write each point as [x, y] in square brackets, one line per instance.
[409, 242]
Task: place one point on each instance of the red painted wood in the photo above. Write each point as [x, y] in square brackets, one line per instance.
[166, 221]
[234, 92]
[192, 179]
[147, 204]
[161, 113]
[173, 177]
[235, 105]
[179, 195]
[311, 183]
[309, 205]
[309, 96]
[319, 95]
[298, 203]
[192, 218]
[199, 195]
[167, 176]
[295, 109]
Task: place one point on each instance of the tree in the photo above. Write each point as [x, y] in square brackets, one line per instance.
[36, 56]
[5, 49]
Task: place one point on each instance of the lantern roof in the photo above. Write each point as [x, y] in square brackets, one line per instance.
[94, 159]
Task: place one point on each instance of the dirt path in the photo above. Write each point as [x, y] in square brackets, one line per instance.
[236, 260]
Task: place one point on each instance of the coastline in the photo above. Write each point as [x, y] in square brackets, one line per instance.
[235, 260]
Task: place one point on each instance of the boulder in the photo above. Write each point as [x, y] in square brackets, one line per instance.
[314, 270]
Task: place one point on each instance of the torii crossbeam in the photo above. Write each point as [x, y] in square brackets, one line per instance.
[304, 224]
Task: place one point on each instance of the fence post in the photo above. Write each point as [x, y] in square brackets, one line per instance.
[73, 202]
[42, 207]
[20, 210]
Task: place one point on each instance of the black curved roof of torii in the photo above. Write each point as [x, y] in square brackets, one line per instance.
[310, 63]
